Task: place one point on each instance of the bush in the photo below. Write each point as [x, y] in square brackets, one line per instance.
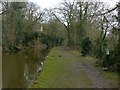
[86, 46]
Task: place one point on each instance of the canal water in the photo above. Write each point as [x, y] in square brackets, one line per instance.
[21, 68]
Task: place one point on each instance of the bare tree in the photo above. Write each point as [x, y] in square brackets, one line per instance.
[66, 18]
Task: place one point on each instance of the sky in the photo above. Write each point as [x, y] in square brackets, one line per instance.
[46, 3]
[52, 3]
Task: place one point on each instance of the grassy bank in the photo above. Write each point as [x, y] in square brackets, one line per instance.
[61, 71]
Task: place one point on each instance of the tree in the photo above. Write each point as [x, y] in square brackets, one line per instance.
[12, 23]
[19, 20]
[67, 16]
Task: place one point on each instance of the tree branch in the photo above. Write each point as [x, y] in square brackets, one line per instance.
[59, 20]
[110, 10]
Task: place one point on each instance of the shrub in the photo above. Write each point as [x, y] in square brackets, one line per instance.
[86, 46]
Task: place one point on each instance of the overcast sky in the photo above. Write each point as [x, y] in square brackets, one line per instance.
[52, 3]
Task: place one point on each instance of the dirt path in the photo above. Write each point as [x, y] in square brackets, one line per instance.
[80, 64]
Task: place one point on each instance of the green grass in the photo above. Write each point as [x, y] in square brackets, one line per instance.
[58, 73]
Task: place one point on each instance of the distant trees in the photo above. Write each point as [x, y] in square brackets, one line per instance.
[21, 24]
[67, 19]
[53, 33]
[12, 23]
[19, 21]
[76, 17]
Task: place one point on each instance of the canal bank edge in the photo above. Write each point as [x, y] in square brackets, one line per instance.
[35, 84]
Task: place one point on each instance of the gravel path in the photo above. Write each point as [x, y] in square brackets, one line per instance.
[80, 64]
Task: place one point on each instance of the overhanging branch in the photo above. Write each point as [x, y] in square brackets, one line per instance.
[59, 20]
[109, 11]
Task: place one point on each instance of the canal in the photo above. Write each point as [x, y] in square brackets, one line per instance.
[21, 68]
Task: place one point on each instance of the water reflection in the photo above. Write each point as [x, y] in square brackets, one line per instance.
[20, 69]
